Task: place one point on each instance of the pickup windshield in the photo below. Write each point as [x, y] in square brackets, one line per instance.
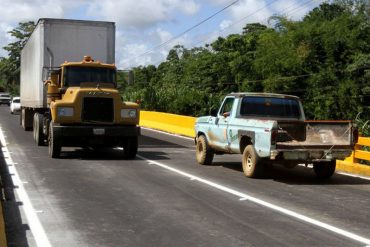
[270, 107]
[74, 76]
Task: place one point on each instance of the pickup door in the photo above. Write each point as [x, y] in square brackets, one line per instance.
[218, 126]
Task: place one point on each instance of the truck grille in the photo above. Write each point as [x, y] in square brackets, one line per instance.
[97, 110]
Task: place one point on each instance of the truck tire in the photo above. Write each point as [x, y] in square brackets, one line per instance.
[55, 146]
[204, 152]
[38, 134]
[20, 118]
[26, 119]
[324, 170]
[252, 165]
[130, 147]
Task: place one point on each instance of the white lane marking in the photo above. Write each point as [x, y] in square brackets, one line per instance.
[340, 172]
[354, 176]
[264, 203]
[303, 165]
[33, 221]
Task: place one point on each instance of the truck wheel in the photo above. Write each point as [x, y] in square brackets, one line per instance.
[20, 118]
[38, 134]
[23, 116]
[252, 165]
[204, 152]
[55, 146]
[325, 169]
[26, 119]
[130, 146]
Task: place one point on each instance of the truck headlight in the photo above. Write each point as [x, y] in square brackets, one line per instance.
[65, 111]
[128, 113]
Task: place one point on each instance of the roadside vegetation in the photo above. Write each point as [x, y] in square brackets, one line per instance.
[323, 58]
[10, 66]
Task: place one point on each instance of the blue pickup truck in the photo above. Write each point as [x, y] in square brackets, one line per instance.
[271, 128]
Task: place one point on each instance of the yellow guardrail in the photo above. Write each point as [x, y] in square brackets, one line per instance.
[184, 125]
[172, 123]
[351, 164]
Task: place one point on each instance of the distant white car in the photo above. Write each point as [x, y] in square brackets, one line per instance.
[4, 98]
[15, 105]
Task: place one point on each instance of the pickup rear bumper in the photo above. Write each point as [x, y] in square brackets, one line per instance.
[310, 155]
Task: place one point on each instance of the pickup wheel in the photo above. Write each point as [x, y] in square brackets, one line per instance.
[252, 165]
[130, 146]
[55, 146]
[204, 152]
[324, 170]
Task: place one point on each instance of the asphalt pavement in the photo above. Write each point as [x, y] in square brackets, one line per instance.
[163, 198]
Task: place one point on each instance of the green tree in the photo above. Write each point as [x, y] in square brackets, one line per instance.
[324, 59]
[10, 66]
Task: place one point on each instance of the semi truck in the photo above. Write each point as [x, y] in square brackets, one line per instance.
[272, 129]
[68, 89]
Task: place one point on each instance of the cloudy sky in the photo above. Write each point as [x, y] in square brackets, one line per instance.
[142, 25]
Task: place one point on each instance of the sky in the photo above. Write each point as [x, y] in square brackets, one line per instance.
[143, 25]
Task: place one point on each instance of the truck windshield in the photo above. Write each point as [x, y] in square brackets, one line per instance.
[270, 107]
[74, 76]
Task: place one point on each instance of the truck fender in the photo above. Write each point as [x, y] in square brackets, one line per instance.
[245, 138]
[199, 134]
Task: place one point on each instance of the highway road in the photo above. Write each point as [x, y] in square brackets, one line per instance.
[163, 198]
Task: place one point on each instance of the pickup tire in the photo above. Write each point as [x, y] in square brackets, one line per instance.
[204, 152]
[130, 147]
[324, 170]
[252, 165]
[55, 146]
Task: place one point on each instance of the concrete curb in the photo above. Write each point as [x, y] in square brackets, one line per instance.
[3, 241]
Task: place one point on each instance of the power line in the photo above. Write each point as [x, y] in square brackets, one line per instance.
[249, 15]
[297, 9]
[187, 30]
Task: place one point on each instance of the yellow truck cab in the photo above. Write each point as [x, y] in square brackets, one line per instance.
[86, 110]
[75, 103]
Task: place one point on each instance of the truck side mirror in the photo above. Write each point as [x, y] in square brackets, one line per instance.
[47, 82]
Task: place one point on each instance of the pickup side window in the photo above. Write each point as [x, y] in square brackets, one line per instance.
[227, 107]
[253, 106]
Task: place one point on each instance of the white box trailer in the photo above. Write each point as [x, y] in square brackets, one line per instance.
[55, 41]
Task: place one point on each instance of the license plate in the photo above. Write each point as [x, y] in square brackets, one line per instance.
[99, 132]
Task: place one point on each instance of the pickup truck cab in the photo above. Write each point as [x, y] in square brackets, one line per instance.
[272, 128]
